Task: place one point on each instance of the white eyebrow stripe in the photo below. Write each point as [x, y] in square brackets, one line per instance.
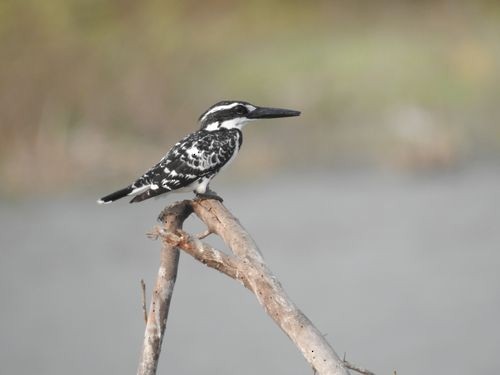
[219, 108]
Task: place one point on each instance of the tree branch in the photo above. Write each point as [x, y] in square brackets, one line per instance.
[268, 290]
[222, 222]
[245, 265]
[143, 299]
[361, 370]
[204, 253]
[172, 218]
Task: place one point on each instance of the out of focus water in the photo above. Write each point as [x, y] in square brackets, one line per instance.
[400, 272]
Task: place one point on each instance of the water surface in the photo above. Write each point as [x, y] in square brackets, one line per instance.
[400, 272]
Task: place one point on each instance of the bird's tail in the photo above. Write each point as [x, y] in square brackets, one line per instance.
[116, 195]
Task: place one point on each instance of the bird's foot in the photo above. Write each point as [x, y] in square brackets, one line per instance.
[208, 194]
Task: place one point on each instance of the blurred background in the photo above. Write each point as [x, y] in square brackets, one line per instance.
[393, 169]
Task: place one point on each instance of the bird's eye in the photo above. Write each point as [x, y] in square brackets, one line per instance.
[241, 110]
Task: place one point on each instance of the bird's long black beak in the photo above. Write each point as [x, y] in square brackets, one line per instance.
[263, 112]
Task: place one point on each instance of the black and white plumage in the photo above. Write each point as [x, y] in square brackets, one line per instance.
[197, 158]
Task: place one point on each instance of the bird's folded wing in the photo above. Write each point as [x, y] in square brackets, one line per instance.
[198, 155]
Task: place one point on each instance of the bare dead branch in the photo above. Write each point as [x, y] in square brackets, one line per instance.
[247, 266]
[353, 367]
[222, 222]
[144, 308]
[204, 253]
[263, 283]
[172, 218]
[204, 234]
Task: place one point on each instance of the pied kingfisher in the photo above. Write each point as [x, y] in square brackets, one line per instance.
[196, 159]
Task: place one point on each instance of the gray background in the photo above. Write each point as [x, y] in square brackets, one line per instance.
[400, 271]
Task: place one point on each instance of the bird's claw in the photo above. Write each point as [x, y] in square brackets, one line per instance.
[209, 194]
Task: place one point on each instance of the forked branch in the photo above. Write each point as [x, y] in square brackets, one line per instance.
[246, 265]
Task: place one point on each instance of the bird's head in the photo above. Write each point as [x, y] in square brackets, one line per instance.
[232, 114]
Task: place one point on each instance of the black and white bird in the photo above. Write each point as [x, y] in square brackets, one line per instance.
[196, 159]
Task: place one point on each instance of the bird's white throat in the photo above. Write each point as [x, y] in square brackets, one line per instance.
[235, 123]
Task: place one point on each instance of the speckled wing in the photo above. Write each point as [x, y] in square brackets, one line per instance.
[200, 154]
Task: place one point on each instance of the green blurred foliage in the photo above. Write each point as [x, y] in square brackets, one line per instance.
[97, 90]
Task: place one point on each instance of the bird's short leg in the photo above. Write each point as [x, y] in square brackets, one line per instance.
[208, 194]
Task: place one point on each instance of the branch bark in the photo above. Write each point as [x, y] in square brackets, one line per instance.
[172, 219]
[247, 265]
[256, 276]
[356, 368]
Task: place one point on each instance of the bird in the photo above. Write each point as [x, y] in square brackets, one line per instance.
[196, 159]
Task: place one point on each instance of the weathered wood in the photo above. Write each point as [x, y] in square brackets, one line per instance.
[173, 217]
[219, 220]
[246, 265]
